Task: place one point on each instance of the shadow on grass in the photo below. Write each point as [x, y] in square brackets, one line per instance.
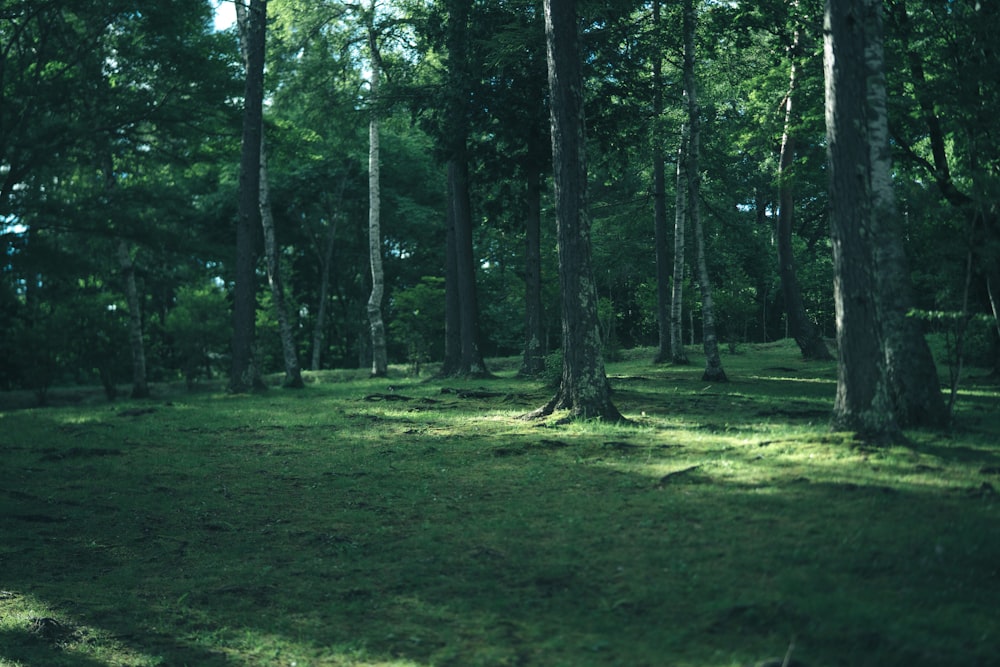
[424, 550]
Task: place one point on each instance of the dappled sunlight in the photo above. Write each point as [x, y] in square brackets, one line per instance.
[27, 622]
[785, 378]
[337, 527]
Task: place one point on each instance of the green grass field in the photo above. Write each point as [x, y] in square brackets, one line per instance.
[413, 522]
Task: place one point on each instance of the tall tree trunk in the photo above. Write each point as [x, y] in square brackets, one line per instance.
[660, 212]
[914, 386]
[533, 362]
[472, 357]
[471, 361]
[380, 360]
[863, 402]
[713, 362]
[293, 372]
[800, 327]
[678, 355]
[584, 389]
[244, 374]
[140, 388]
[290, 355]
[452, 363]
[325, 265]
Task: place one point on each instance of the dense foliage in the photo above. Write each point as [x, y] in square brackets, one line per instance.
[120, 126]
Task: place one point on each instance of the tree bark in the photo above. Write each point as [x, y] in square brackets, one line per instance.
[863, 403]
[678, 355]
[533, 362]
[461, 265]
[584, 389]
[293, 371]
[453, 306]
[244, 375]
[660, 213]
[140, 387]
[380, 360]
[325, 265]
[713, 362]
[290, 355]
[472, 363]
[800, 327]
[914, 386]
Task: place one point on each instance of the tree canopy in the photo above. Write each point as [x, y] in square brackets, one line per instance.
[120, 136]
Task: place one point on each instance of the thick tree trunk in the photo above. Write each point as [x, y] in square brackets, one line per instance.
[863, 402]
[584, 389]
[533, 362]
[660, 214]
[244, 374]
[678, 355]
[380, 360]
[914, 386]
[800, 327]
[140, 388]
[713, 362]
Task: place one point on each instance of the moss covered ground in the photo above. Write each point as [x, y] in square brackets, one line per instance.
[415, 522]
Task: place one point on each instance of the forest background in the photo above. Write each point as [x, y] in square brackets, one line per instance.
[120, 152]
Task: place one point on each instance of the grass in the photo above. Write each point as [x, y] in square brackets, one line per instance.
[338, 526]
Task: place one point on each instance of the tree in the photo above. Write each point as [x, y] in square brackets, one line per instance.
[461, 264]
[801, 328]
[584, 388]
[663, 300]
[678, 355]
[713, 362]
[874, 394]
[244, 374]
[293, 372]
[380, 362]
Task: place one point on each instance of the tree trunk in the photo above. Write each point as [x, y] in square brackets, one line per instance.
[380, 361]
[660, 213]
[678, 355]
[293, 372]
[140, 388]
[914, 386]
[244, 375]
[863, 403]
[290, 356]
[800, 327]
[584, 389]
[461, 265]
[472, 364]
[325, 265]
[452, 304]
[533, 362]
[713, 362]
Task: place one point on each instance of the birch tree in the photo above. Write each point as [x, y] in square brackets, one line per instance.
[678, 355]
[713, 362]
[380, 361]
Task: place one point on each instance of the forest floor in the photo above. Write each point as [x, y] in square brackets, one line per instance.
[414, 522]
